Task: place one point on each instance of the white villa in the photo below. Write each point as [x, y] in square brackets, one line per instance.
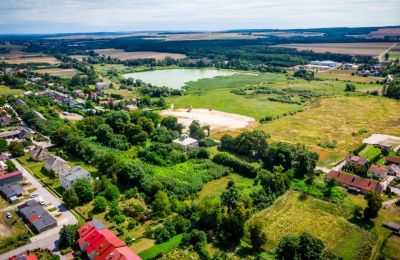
[184, 142]
[69, 177]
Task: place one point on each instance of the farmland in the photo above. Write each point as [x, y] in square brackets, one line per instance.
[370, 48]
[291, 215]
[63, 73]
[123, 55]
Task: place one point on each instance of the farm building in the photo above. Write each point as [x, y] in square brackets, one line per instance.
[100, 243]
[378, 171]
[69, 177]
[383, 146]
[39, 153]
[355, 183]
[355, 160]
[325, 63]
[38, 217]
[12, 177]
[185, 143]
[55, 164]
[102, 85]
[11, 192]
[394, 170]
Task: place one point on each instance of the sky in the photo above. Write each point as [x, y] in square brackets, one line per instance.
[68, 16]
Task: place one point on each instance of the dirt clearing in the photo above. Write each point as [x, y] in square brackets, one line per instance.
[63, 73]
[123, 55]
[217, 120]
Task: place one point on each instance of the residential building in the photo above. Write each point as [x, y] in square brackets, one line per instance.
[392, 160]
[5, 120]
[24, 256]
[383, 146]
[101, 244]
[12, 177]
[392, 226]
[11, 192]
[378, 171]
[9, 134]
[3, 167]
[25, 133]
[102, 85]
[355, 183]
[55, 164]
[69, 177]
[355, 160]
[129, 107]
[185, 143]
[39, 153]
[4, 157]
[38, 218]
[20, 102]
[394, 170]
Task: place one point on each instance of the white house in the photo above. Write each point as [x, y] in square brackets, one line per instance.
[102, 85]
[184, 142]
[69, 177]
[55, 164]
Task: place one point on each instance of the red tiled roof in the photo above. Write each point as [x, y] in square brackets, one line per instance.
[356, 159]
[106, 239]
[9, 175]
[378, 169]
[355, 181]
[121, 253]
[393, 159]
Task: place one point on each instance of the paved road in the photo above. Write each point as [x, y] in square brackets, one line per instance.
[48, 239]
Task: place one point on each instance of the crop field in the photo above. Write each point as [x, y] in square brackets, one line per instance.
[62, 73]
[345, 75]
[4, 90]
[15, 55]
[291, 215]
[368, 48]
[123, 55]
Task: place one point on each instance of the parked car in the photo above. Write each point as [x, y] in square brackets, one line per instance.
[8, 215]
[34, 195]
[41, 201]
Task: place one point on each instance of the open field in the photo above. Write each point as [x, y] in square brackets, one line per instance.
[123, 55]
[369, 152]
[15, 55]
[345, 75]
[4, 90]
[287, 34]
[155, 250]
[365, 48]
[63, 73]
[217, 120]
[337, 119]
[206, 36]
[290, 215]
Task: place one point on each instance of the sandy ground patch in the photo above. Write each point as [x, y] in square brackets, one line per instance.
[217, 120]
[123, 55]
[5, 231]
[381, 139]
[71, 116]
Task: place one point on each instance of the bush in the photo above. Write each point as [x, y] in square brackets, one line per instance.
[199, 153]
[237, 164]
[207, 142]
[359, 148]
[99, 204]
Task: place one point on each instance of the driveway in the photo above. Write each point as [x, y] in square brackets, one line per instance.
[48, 239]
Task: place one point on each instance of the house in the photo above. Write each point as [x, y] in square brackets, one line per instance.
[20, 102]
[9, 134]
[100, 243]
[392, 226]
[3, 167]
[394, 170]
[79, 92]
[325, 63]
[25, 133]
[11, 192]
[129, 107]
[383, 146]
[355, 160]
[184, 142]
[355, 183]
[378, 171]
[5, 120]
[55, 164]
[24, 256]
[12, 177]
[392, 160]
[39, 153]
[4, 157]
[102, 85]
[69, 177]
[39, 218]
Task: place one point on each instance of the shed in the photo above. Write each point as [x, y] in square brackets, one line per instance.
[185, 143]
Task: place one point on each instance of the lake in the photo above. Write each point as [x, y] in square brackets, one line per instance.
[176, 78]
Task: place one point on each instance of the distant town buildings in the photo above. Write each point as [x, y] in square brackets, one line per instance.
[325, 63]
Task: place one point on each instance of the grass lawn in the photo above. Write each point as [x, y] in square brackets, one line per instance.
[154, 251]
[336, 119]
[290, 215]
[4, 90]
[369, 152]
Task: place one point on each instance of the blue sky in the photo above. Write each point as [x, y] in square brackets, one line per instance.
[56, 16]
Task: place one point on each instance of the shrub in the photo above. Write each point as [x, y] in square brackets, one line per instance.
[207, 142]
[237, 164]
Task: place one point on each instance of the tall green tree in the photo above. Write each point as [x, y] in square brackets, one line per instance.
[70, 198]
[68, 235]
[374, 202]
[84, 190]
[16, 149]
[161, 204]
[196, 131]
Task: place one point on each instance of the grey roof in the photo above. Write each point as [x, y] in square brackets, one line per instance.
[53, 161]
[184, 139]
[97, 224]
[74, 173]
[392, 226]
[37, 215]
[11, 190]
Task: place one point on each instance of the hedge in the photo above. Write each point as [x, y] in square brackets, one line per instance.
[236, 164]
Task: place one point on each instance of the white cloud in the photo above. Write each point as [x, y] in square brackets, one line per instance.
[101, 15]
